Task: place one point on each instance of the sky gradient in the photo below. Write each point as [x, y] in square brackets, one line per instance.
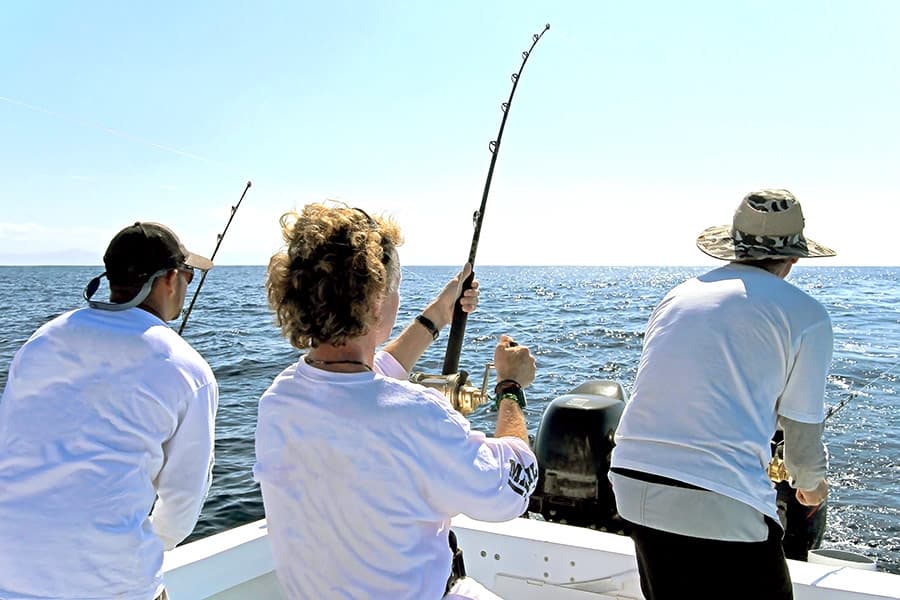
[635, 125]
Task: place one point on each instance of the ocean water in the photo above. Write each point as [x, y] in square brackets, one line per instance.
[580, 322]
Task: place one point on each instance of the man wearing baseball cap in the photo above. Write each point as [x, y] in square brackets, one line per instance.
[728, 356]
[106, 433]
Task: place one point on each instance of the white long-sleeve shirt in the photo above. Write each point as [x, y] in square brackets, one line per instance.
[360, 474]
[104, 413]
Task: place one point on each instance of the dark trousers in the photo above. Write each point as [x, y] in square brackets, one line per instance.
[676, 566]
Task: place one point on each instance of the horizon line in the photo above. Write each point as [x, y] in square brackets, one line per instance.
[456, 266]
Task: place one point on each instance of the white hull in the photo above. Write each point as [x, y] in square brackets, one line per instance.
[521, 559]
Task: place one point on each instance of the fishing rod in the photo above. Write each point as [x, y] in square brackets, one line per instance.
[777, 470]
[219, 238]
[458, 325]
[852, 394]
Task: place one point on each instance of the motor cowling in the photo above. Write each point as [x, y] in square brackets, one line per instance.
[573, 446]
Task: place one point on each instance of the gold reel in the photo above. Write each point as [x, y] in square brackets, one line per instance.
[777, 470]
[457, 388]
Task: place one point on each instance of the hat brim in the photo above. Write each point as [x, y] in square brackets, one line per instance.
[197, 261]
[718, 242]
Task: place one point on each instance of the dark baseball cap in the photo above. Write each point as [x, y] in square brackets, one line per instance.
[142, 249]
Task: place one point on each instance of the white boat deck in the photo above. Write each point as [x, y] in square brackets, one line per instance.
[520, 559]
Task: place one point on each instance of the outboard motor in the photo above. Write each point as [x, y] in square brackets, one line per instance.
[573, 446]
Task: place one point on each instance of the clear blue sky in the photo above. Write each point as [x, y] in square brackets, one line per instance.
[635, 125]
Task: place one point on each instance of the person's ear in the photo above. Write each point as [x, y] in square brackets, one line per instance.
[170, 280]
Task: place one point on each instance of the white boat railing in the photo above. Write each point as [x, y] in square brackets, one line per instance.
[522, 559]
[234, 564]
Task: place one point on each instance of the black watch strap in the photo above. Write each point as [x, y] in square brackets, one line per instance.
[429, 325]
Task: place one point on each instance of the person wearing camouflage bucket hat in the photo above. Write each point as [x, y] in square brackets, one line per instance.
[768, 224]
[729, 357]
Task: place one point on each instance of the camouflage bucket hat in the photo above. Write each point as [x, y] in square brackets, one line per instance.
[767, 224]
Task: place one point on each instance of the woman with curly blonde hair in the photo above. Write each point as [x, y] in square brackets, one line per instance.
[337, 267]
[360, 469]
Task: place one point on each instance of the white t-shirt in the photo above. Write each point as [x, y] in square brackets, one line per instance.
[360, 475]
[724, 354]
[103, 414]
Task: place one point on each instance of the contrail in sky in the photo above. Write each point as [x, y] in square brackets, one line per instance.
[110, 130]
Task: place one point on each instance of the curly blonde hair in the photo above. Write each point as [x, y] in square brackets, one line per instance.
[338, 262]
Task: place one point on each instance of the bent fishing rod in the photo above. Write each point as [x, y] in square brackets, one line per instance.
[219, 238]
[777, 470]
[458, 325]
[852, 394]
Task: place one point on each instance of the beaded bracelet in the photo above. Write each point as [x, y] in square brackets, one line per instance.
[518, 396]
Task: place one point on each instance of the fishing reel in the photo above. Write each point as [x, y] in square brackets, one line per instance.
[804, 526]
[457, 388]
[777, 470]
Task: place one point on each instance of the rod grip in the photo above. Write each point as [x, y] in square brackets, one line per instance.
[457, 332]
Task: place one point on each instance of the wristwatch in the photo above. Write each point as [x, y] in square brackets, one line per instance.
[429, 325]
[510, 389]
